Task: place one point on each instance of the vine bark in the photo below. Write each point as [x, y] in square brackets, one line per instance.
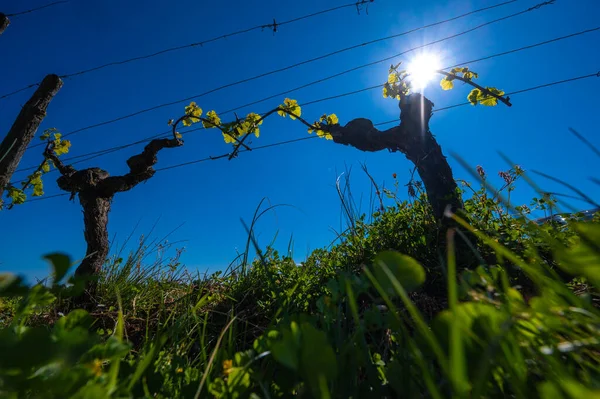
[413, 138]
[96, 190]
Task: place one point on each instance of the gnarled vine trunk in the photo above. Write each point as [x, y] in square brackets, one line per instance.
[95, 221]
[413, 138]
[96, 190]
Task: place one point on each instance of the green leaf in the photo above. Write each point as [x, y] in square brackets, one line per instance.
[60, 265]
[478, 319]
[474, 96]
[404, 268]
[16, 195]
[91, 391]
[31, 348]
[40, 296]
[76, 318]
[38, 189]
[239, 380]
[583, 258]
[487, 99]
[305, 349]
[217, 388]
[45, 135]
[111, 349]
[469, 75]
[446, 84]
[12, 285]
[567, 388]
[318, 358]
[286, 350]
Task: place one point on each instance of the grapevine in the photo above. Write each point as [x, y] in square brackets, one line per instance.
[34, 181]
[398, 85]
[236, 132]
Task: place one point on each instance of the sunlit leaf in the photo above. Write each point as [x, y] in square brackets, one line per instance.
[488, 100]
[446, 84]
[46, 135]
[193, 110]
[16, 195]
[213, 120]
[474, 96]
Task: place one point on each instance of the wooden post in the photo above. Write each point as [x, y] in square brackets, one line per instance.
[24, 128]
[4, 22]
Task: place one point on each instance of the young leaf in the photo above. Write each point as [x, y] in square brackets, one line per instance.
[60, 265]
[487, 99]
[16, 195]
[213, 120]
[473, 96]
[446, 84]
[406, 270]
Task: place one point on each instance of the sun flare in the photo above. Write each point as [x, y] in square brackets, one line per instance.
[422, 69]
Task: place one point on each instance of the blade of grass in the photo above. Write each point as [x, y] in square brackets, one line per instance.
[145, 362]
[257, 215]
[413, 311]
[359, 329]
[212, 358]
[429, 380]
[458, 370]
[430, 383]
[570, 187]
[113, 372]
[485, 362]
[585, 141]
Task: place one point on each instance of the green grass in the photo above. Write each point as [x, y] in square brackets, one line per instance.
[383, 312]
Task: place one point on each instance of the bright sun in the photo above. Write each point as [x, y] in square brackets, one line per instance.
[422, 69]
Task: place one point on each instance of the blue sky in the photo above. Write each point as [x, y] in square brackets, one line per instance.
[210, 198]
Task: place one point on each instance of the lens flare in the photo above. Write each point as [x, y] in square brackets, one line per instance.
[422, 69]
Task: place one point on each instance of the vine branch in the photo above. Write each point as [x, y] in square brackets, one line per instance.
[505, 100]
[302, 120]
